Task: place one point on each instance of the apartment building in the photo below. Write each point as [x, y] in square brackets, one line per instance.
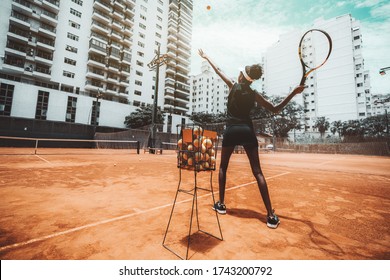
[86, 61]
[209, 91]
[340, 90]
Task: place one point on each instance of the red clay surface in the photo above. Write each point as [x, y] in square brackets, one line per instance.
[115, 205]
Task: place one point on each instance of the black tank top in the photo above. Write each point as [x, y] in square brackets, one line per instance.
[241, 100]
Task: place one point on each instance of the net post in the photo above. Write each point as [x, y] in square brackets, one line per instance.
[36, 146]
[138, 147]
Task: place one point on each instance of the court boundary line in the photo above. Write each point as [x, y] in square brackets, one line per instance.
[137, 212]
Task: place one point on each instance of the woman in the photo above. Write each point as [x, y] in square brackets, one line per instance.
[239, 130]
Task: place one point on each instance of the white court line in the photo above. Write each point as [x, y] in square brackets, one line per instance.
[43, 159]
[138, 212]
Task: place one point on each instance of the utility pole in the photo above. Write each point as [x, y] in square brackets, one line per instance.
[155, 64]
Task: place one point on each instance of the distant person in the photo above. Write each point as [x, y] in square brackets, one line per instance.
[239, 130]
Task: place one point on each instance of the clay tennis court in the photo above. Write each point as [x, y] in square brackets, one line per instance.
[115, 205]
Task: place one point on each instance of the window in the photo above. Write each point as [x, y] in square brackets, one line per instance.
[159, 10]
[142, 16]
[73, 37]
[158, 35]
[70, 61]
[159, 26]
[68, 74]
[71, 109]
[141, 54]
[74, 24]
[143, 8]
[140, 63]
[71, 49]
[139, 83]
[141, 35]
[137, 92]
[78, 2]
[143, 26]
[142, 45]
[75, 12]
[359, 84]
[42, 105]
[6, 96]
[139, 73]
[357, 47]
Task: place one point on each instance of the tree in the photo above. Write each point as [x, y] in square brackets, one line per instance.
[281, 124]
[322, 124]
[207, 118]
[143, 116]
[337, 127]
[353, 129]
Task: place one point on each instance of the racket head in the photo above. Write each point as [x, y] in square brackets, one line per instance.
[314, 50]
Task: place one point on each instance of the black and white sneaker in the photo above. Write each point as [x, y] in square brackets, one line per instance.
[220, 208]
[273, 221]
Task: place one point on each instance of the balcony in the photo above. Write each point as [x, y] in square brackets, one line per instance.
[49, 18]
[22, 6]
[98, 4]
[20, 19]
[97, 61]
[100, 16]
[45, 43]
[52, 5]
[99, 27]
[47, 30]
[44, 58]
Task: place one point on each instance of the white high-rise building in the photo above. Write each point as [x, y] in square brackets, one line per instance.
[209, 91]
[86, 61]
[340, 90]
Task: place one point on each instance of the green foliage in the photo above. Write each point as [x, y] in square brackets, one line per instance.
[206, 118]
[322, 124]
[281, 124]
[143, 116]
[375, 126]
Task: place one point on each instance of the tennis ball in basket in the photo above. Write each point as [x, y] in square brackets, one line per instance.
[190, 147]
[206, 165]
[198, 156]
[180, 143]
[197, 144]
[197, 130]
[206, 157]
[203, 149]
[212, 160]
[212, 152]
[185, 156]
[208, 143]
[190, 161]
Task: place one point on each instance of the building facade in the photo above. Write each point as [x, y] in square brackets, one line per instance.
[340, 90]
[209, 91]
[86, 61]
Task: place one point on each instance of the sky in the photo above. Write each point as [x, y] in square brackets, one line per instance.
[235, 33]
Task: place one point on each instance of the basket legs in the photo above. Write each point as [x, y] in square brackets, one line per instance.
[194, 212]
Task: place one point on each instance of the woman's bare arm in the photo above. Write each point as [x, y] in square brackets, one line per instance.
[277, 108]
[217, 70]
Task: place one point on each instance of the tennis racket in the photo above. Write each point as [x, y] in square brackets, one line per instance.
[314, 50]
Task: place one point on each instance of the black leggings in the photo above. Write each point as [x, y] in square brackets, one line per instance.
[253, 156]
